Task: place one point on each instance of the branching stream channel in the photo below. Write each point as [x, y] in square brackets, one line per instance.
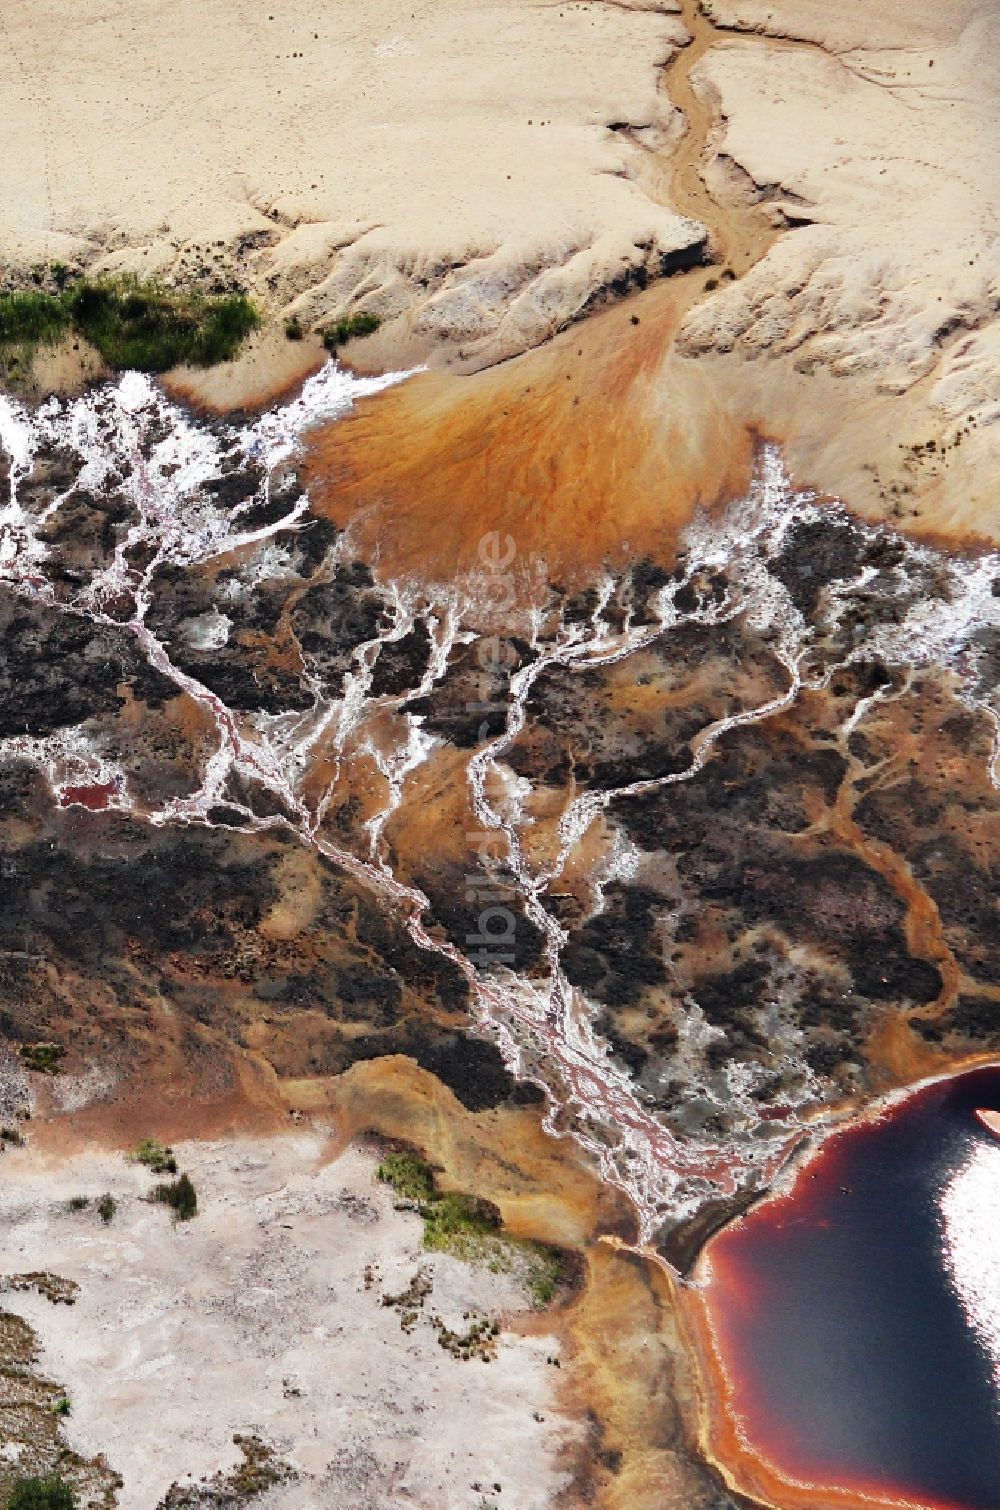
[669, 742]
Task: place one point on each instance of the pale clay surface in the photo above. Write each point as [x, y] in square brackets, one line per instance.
[255, 1316]
[453, 169]
[875, 323]
[452, 163]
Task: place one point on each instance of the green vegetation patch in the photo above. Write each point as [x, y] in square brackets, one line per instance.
[31, 318]
[42, 1057]
[133, 324]
[51, 1493]
[547, 1270]
[179, 1194]
[348, 327]
[106, 1207]
[156, 1156]
[472, 1229]
[461, 1225]
[409, 1176]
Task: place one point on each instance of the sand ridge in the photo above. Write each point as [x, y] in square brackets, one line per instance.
[448, 167]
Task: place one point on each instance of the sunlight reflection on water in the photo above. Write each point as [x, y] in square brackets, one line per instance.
[970, 1211]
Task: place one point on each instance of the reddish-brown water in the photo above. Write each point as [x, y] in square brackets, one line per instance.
[858, 1315]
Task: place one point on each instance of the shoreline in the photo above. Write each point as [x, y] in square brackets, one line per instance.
[396, 1100]
[722, 1435]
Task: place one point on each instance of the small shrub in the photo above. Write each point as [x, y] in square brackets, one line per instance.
[179, 1194]
[78, 1202]
[293, 329]
[156, 1156]
[42, 1057]
[361, 324]
[51, 1493]
[710, 284]
[106, 1208]
[62, 1407]
[12, 1135]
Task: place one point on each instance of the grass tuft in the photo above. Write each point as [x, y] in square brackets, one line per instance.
[352, 325]
[30, 318]
[133, 324]
[156, 1156]
[180, 1194]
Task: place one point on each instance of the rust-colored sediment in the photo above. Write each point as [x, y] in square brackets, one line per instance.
[585, 452]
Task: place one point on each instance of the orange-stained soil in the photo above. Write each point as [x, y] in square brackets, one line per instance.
[584, 452]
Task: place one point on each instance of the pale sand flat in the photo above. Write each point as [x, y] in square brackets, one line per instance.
[256, 1316]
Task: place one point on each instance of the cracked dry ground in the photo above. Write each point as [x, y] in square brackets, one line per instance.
[741, 806]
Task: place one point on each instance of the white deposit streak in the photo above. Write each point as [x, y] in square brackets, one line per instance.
[129, 436]
[970, 1213]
